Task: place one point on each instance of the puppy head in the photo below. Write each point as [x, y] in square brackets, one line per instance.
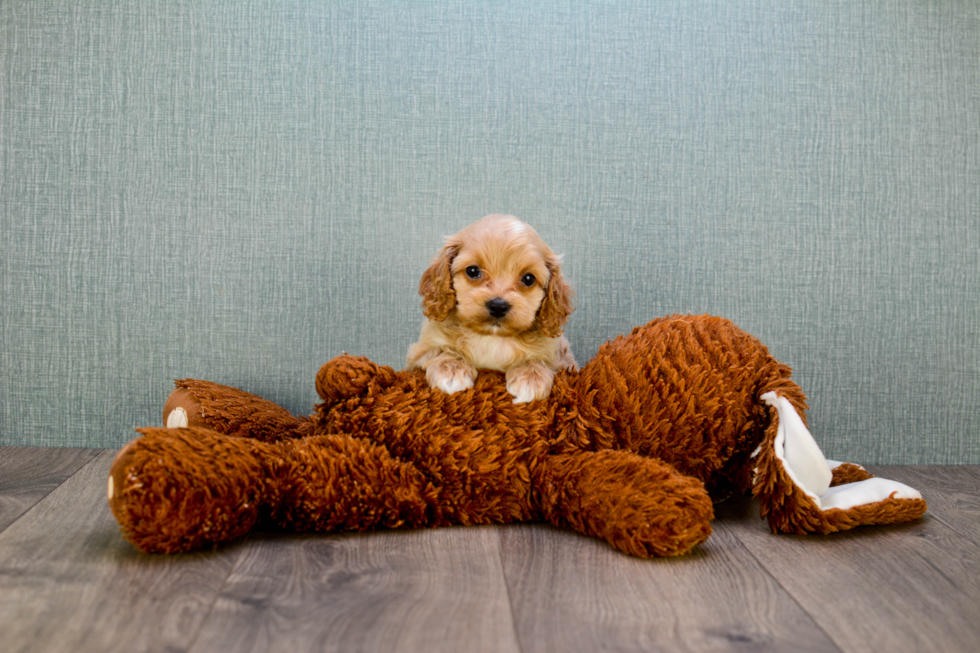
[500, 278]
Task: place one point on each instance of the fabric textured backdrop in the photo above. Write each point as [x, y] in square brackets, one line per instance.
[239, 191]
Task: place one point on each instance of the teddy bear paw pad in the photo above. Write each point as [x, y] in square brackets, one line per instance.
[177, 419]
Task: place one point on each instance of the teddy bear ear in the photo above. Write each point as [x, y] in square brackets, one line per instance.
[436, 285]
[557, 303]
[800, 491]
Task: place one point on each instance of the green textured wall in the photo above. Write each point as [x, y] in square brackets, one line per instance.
[239, 191]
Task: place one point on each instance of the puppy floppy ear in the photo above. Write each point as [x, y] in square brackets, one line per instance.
[557, 303]
[436, 286]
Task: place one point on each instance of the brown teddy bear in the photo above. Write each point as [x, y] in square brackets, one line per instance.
[633, 448]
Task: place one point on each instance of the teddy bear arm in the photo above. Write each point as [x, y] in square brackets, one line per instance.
[346, 376]
[230, 411]
[639, 505]
[802, 492]
[337, 483]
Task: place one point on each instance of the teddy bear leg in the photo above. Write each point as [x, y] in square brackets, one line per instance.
[641, 506]
[800, 491]
[175, 490]
[228, 410]
[338, 483]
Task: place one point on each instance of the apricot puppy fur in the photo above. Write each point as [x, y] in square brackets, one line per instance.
[494, 298]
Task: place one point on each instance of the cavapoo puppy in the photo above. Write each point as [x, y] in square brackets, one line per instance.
[495, 299]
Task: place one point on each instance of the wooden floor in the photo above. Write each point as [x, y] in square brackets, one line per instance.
[69, 582]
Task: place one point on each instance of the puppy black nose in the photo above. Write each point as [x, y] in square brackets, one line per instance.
[498, 307]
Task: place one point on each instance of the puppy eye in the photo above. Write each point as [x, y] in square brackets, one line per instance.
[473, 272]
[528, 279]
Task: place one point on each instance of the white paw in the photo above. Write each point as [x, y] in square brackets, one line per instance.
[529, 385]
[523, 395]
[453, 383]
[450, 376]
[177, 419]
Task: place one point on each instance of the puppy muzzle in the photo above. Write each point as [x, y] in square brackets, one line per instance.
[498, 308]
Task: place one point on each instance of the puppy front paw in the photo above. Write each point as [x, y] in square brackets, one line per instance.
[450, 375]
[529, 382]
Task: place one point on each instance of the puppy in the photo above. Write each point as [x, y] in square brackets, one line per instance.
[495, 299]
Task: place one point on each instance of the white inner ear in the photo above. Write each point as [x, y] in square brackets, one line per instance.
[870, 490]
[811, 472]
[802, 458]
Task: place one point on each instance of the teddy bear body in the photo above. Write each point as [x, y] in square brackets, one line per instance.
[632, 449]
[697, 413]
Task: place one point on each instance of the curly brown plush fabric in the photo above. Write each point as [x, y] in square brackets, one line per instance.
[849, 473]
[630, 449]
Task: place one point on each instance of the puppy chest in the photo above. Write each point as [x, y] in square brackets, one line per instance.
[494, 353]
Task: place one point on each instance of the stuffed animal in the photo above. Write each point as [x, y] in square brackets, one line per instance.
[633, 449]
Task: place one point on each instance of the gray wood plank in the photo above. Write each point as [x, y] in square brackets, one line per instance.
[572, 593]
[28, 474]
[905, 587]
[69, 582]
[433, 590]
[952, 492]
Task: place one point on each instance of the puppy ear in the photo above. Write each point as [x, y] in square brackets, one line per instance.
[557, 303]
[436, 286]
